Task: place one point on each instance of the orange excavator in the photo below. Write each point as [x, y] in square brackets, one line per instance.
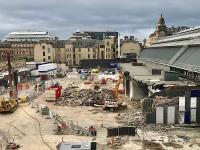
[116, 104]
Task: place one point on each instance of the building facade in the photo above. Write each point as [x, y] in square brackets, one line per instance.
[98, 35]
[71, 51]
[44, 52]
[163, 31]
[130, 46]
[28, 36]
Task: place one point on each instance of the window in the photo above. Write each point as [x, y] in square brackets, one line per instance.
[79, 49]
[94, 56]
[49, 57]
[43, 47]
[88, 49]
[43, 53]
[102, 46]
[44, 59]
[88, 56]
[48, 50]
[93, 50]
[108, 43]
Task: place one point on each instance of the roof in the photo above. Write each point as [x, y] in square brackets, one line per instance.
[5, 45]
[28, 36]
[29, 32]
[191, 56]
[183, 35]
[160, 53]
[86, 43]
[189, 60]
[143, 74]
[55, 43]
[183, 57]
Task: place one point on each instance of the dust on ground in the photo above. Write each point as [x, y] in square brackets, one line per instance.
[25, 130]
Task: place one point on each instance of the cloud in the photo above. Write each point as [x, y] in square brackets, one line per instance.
[63, 17]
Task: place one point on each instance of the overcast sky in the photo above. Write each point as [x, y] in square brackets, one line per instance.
[63, 17]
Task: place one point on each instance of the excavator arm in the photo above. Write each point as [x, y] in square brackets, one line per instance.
[116, 89]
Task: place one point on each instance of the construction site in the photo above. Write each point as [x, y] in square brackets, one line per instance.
[92, 110]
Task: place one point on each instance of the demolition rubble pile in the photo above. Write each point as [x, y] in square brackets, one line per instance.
[160, 128]
[84, 97]
[129, 119]
[161, 101]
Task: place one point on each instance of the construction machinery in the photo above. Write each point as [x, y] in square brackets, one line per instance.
[62, 127]
[11, 104]
[116, 104]
[8, 105]
[6, 142]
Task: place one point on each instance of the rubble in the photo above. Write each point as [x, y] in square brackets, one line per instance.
[173, 145]
[160, 128]
[84, 97]
[152, 145]
[160, 101]
[129, 119]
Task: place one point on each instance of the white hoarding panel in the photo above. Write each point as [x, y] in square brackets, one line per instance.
[193, 115]
[193, 102]
[171, 115]
[181, 103]
[159, 115]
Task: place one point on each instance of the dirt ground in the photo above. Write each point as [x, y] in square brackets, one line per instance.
[25, 130]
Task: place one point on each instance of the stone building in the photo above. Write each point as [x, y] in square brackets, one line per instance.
[129, 45]
[22, 49]
[71, 51]
[162, 31]
[29, 36]
[44, 52]
[4, 49]
[78, 49]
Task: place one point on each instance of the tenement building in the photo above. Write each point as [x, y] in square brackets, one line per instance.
[80, 46]
[21, 44]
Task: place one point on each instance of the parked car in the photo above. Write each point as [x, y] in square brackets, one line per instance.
[82, 71]
[109, 72]
[1, 76]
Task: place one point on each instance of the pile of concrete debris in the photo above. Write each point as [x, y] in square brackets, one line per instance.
[84, 97]
[130, 119]
[160, 128]
[162, 101]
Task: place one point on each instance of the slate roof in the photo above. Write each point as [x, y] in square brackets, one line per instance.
[86, 43]
[188, 60]
[160, 53]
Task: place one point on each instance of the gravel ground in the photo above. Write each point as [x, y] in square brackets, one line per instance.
[25, 130]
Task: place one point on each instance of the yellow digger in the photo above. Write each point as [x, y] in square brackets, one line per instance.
[116, 104]
[8, 105]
